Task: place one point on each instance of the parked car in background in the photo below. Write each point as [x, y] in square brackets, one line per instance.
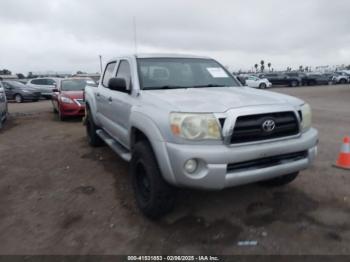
[256, 82]
[300, 77]
[3, 105]
[319, 79]
[68, 97]
[283, 79]
[20, 92]
[44, 85]
[341, 78]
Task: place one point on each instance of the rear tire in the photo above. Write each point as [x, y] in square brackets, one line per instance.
[342, 81]
[294, 83]
[262, 86]
[280, 181]
[154, 196]
[18, 98]
[91, 128]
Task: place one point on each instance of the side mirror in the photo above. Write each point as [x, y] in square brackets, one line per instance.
[55, 90]
[118, 84]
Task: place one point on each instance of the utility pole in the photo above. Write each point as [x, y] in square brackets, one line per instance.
[100, 56]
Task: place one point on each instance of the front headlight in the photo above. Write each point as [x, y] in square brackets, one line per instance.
[195, 126]
[25, 91]
[306, 116]
[66, 100]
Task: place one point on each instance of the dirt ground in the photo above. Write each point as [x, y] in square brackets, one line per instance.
[60, 196]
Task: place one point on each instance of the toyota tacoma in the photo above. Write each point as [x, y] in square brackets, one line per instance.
[185, 121]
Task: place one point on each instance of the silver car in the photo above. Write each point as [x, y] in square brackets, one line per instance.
[43, 85]
[3, 105]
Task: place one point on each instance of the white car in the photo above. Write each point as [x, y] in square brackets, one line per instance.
[43, 85]
[256, 82]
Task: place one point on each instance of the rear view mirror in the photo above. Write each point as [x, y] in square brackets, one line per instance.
[117, 84]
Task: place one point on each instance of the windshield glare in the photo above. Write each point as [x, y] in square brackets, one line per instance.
[73, 85]
[158, 73]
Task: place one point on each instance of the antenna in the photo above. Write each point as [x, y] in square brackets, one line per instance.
[135, 34]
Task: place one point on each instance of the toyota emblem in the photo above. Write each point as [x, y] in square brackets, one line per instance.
[268, 125]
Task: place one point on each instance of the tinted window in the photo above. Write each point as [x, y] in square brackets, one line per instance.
[108, 73]
[38, 82]
[50, 82]
[124, 72]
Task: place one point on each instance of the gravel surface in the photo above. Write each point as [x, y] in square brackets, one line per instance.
[60, 196]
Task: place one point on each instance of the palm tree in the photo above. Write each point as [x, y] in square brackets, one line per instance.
[262, 67]
[256, 67]
[301, 68]
[269, 65]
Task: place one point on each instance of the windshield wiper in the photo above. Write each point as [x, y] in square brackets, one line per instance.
[209, 85]
[165, 87]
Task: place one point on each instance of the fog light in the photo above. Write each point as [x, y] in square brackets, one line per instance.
[191, 165]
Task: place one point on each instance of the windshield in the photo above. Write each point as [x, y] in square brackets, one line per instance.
[16, 84]
[73, 85]
[168, 73]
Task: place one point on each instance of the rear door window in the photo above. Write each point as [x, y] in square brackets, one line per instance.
[37, 81]
[50, 82]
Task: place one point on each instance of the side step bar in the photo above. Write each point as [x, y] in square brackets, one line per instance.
[114, 145]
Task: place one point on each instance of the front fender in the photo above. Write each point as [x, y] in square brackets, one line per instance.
[146, 125]
[92, 104]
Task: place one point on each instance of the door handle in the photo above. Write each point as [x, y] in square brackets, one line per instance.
[110, 99]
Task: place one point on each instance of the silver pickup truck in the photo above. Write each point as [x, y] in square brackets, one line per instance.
[185, 121]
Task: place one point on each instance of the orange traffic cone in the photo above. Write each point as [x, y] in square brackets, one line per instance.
[344, 156]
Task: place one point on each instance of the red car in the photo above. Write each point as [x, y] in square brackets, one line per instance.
[68, 97]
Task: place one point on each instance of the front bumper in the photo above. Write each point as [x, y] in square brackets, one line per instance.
[72, 110]
[212, 172]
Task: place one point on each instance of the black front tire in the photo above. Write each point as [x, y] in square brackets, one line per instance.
[154, 196]
[91, 128]
[280, 181]
[18, 98]
[342, 81]
[294, 83]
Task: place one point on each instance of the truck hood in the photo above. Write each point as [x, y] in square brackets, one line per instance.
[218, 99]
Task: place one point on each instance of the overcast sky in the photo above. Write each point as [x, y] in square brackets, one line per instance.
[68, 35]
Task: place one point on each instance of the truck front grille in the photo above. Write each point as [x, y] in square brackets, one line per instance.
[266, 162]
[250, 128]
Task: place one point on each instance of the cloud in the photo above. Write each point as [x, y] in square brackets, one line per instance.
[64, 35]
